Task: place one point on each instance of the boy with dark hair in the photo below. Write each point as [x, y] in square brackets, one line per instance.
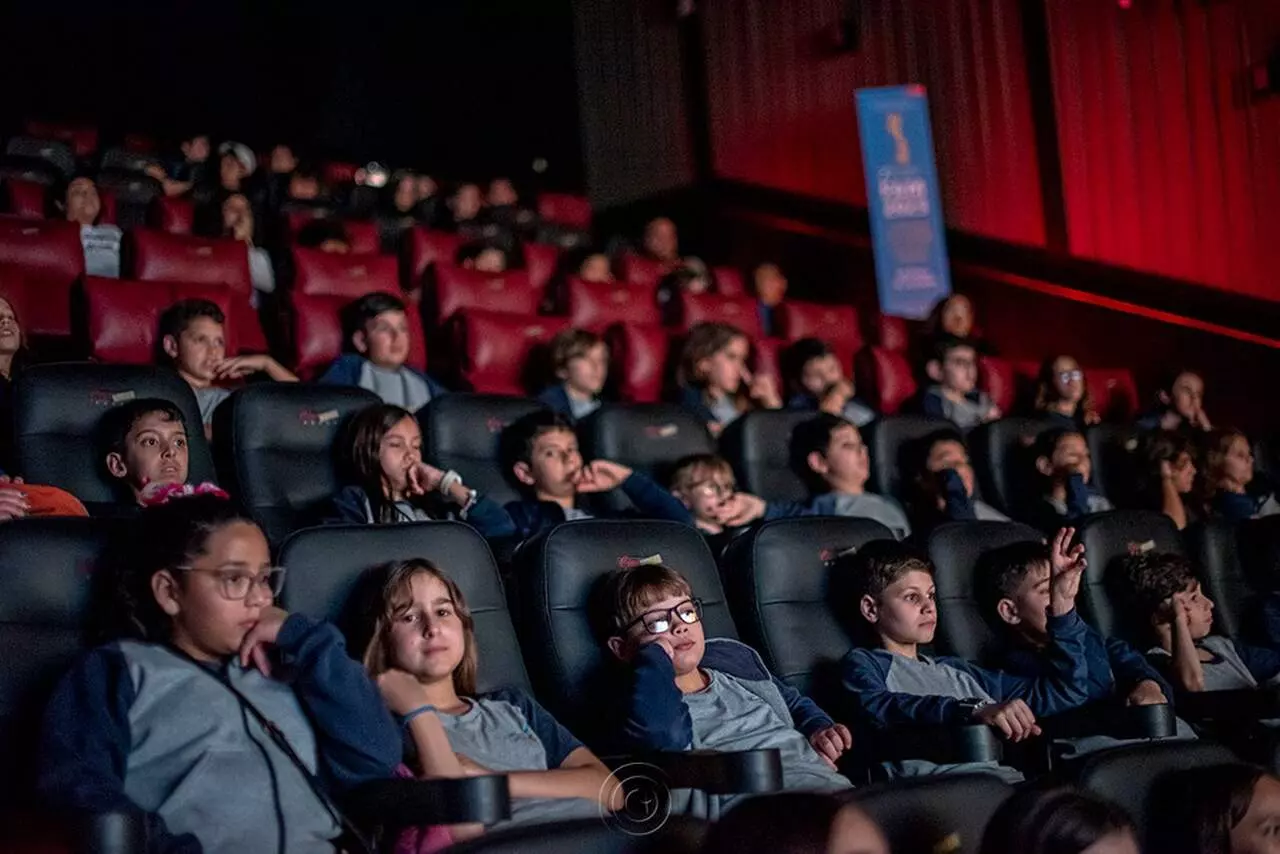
[581, 360]
[1065, 469]
[691, 693]
[99, 241]
[818, 383]
[541, 453]
[944, 484]
[891, 586]
[377, 329]
[1162, 596]
[144, 445]
[953, 368]
[193, 343]
[829, 455]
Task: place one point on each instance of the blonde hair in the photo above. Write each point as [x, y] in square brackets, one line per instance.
[698, 468]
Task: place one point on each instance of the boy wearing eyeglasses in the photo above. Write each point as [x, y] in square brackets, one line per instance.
[705, 485]
[691, 693]
[954, 396]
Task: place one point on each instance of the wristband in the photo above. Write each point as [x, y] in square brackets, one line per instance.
[450, 479]
[405, 720]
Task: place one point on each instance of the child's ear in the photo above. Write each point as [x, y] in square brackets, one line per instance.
[869, 609]
[619, 647]
[116, 465]
[360, 341]
[1164, 398]
[1008, 612]
[170, 346]
[1045, 466]
[933, 368]
[817, 462]
[523, 473]
[165, 588]
[681, 498]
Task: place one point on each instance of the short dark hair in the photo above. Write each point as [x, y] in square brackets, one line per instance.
[569, 344]
[516, 442]
[1041, 821]
[356, 314]
[812, 436]
[944, 344]
[1200, 806]
[801, 353]
[999, 574]
[1047, 442]
[177, 317]
[870, 570]
[114, 428]
[1143, 583]
[624, 594]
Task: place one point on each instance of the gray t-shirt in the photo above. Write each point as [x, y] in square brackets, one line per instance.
[401, 387]
[1226, 672]
[101, 244]
[868, 505]
[725, 410]
[208, 399]
[986, 513]
[508, 731]
[858, 413]
[580, 409]
[966, 413]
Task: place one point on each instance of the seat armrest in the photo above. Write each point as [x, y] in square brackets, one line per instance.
[399, 803]
[1246, 705]
[1113, 720]
[944, 745]
[711, 771]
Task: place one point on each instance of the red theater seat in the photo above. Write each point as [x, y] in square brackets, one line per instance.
[835, 324]
[997, 379]
[161, 257]
[565, 209]
[494, 350]
[737, 311]
[884, 379]
[457, 288]
[1114, 392]
[25, 198]
[729, 282]
[82, 139]
[318, 273]
[340, 173]
[595, 307]
[540, 261]
[173, 214]
[892, 333]
[51, 259]
[13, 287]
[122, 316]
[317, 332]
[637, 357]
[640, 270]
[363, 237]
[423, 247]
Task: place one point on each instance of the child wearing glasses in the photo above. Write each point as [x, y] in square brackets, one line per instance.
[953, 368]
[169, 720]
[704, 484]
[691, 693]
[1063, 396]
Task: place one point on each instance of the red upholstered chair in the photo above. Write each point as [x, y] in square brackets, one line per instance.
[318, 273]
[892, 334]
[884, 379]
[766, 361]
[161, 257]
[596, 307]
[565, 209]
[25, 198]
[51, 259]
[996, 377]
[122, 316]
[457, 288]
[495, 351]
[1114, 392]
[173, 214]
[107, 208]
[729, 282]
[318, 333]
[422, 247]
[640, 270]
[82, 139]
[540, 262]
[637, 358]
[835, 324]
[705, 308]
[363, 237]
[13, 287]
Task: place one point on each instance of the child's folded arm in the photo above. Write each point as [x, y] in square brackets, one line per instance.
[657, 717]
[488, 517]
[1131, 667]
[358, 740]
[864, 677]
[653, 501]
[1064, 687]
[85, 743]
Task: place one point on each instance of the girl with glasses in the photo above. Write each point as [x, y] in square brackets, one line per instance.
[1063, 396]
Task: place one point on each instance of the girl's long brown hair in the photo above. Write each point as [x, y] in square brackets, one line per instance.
[1047, 390]
[366, 433]
[381, 596]
[704, 341]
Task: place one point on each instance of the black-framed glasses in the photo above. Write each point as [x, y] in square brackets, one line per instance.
[716, 489]
[235, 584]
[1065, 377]
[662, 621]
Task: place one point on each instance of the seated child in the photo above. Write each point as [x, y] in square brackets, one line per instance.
[1215, 809]
[482, 256]
[394, 485]
[168, 719]
[704, 484]
[1066, 474]
[691, 693]
[1179, 406]
[1062, 396]
[1167, 475]
[770, 288]
[193, 343]
[953, 317]
[541, 452]
[145, 446]
[1163, 598]
[818, 383]
[581, 361]
[954, 395]
[713, 373]
[416, 637]
[377, 329]
[944, 485]
[1228, 474]
[99, 241]
[829, 454]
[1062, 820]
[891, 586]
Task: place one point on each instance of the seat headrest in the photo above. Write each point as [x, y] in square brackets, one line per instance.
[50, 150]
[636, 360]
[123, 316]
[597, 306]
[158, 256]
[940, 813]
[317, 273]
[890, 442]
[422, 247]
[741, 312]
[1107, 537]
[66, 550]
[648, 437]
[58, 409]
[462, 288]
[326, 563]
[499, 352]
[835, 324]
[129, 187]
[47, 246]
[1213, 544]
[758, 446]
[1004, 460]
[464, 431]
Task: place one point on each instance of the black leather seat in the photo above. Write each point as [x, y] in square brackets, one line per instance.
[1213, 547]
[956, 550]
[943, 813]
[277, 448]
[1004, 461]
[677, 835]
[127, 161]
[1107, 537]
[57, 410]
[133, 193]
[892, 443]
[648, 437]
[325, 564]
[46, 567]
[52, 151]
[1259, 550]
[1115, 469]
[777, 580]
[758, 446]
[462, 432]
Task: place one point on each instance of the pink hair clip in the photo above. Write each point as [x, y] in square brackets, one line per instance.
[162, 493]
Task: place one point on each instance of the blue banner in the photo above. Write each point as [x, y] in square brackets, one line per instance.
[907, 231]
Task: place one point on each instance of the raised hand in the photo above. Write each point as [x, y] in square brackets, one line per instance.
[238, 367]
[835, 397]
[402, 692]
[1066, 569]
[253, 649]
[423, 478]
[764, 391]
[602, 476]
[742, 508]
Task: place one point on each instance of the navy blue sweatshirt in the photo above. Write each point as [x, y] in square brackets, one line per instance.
[532, 516]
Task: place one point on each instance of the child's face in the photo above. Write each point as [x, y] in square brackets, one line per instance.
[586, 374]
[1027, 610]
[1199, 610]
[196, 149]
[661, 240]
[502, 192]
[771, 285]
[1187, 395]
[1183, 473]
[906, 611]
[406, 195]
[1256, 832]
[1071, 456]
[385, 340]
[83, 202]
[199, 349]
[847, 461]
[236, 215]
[427, 638]
[1068, 379]
[282, 160]
[10, 331]
[708, 498]
[230, 171]
[556, 465]
[304, 187]
[155, 452]
[960, 370]
[206, 624]
[687, 641]
[1237, 465]
[950, 454]
[399, 451]
[725, 370]
[596, 269]
[467, 202]
[490, 260]
[820, 374]
[957, 316]
[852, 832]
